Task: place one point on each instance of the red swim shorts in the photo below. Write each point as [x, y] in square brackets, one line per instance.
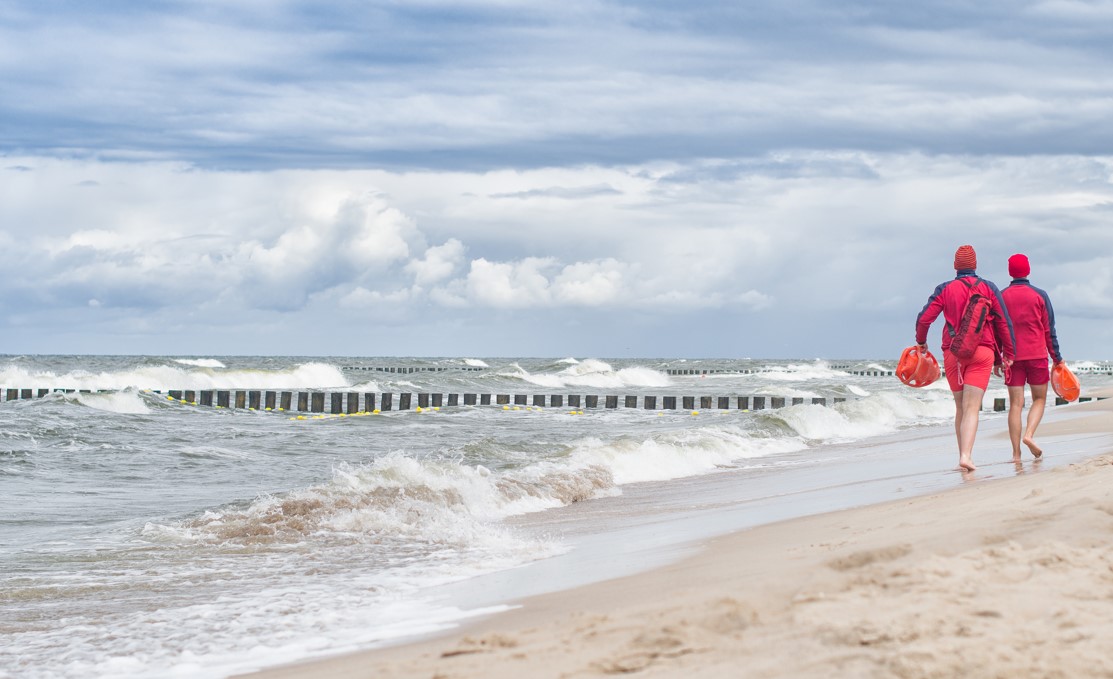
[1028, 371]
[975, 370]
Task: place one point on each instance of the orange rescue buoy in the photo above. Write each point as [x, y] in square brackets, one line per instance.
[917, 368]
[1064, 382]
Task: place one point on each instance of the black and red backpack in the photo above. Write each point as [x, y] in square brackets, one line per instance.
[968, 335]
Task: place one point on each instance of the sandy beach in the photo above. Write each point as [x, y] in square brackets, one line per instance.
[1001, 578]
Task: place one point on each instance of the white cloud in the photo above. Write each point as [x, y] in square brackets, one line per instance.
[380, 234]
[581, 163]
[452, 296]
[292, 255]
[542, 283]
[510, 285]
[99, 239]
[590, 283]
[439, 263]
[792, 240]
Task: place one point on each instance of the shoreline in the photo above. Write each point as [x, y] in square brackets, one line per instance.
[1016, 575]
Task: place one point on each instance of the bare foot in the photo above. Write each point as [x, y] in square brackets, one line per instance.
[966, 464]
[1036, 450]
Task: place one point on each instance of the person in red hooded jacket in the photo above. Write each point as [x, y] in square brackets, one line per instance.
[968, 378]
[1034, 323]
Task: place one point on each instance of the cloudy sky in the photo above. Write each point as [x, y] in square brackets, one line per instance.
[591, 178]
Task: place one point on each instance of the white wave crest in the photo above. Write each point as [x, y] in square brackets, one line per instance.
[595, 374]
[443, 502]
[126, 402]
[882, 413]
[1089, 366]
[799, 372]
[164, 377]
[679, 454]
[394, 498]
[201, 362]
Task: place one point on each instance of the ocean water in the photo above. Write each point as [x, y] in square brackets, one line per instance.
[143, 537]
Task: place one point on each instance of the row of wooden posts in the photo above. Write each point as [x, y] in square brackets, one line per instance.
[409, 370]
[700, 371]
[354, 402]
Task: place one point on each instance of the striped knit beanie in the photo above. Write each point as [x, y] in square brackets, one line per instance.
[965, 258]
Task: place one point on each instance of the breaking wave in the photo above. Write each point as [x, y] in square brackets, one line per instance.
[163, 377]
[592, 373]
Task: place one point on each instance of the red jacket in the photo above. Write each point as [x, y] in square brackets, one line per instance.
[950, 299]
[1033, 321]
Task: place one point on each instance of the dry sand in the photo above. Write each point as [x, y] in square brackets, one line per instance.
[1005, 578]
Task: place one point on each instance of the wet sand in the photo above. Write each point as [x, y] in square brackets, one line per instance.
[1002, 577]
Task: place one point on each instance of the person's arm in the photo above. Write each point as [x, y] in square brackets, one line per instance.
[1050, 337]
[1002, 326]
[928, 314]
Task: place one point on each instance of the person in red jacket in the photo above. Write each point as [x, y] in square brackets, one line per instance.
[1034, 324]
[968, 378]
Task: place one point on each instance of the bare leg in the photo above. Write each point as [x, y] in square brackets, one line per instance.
[1016, 410]
[958, 417]
[968, 425]
[1035, 414]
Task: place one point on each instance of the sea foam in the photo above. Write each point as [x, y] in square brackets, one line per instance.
[201, 362]
[164, 377]
[127, 402]
[595, 374]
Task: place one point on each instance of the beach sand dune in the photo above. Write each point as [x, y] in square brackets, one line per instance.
[1006, 578]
